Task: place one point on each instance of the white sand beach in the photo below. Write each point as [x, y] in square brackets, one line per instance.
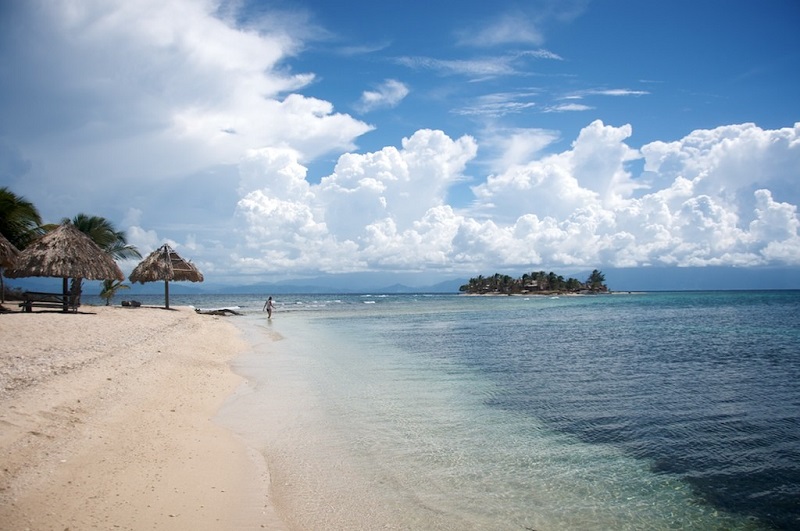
[106, 423]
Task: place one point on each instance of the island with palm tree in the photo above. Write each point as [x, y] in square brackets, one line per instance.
[536, 283]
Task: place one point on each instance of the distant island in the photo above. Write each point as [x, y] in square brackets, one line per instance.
[537, 283]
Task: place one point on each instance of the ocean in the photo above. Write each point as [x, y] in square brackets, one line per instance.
[626, 411]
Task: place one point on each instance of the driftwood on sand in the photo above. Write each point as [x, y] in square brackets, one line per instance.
[217, 311]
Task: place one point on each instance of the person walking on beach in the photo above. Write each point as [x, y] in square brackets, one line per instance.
[269, 306]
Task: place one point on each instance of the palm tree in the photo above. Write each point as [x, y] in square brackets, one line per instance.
[103, 233]
[20, 221]
[541, 280]
[505, 283]
[552, 281]
[110, 288]
[595, 281]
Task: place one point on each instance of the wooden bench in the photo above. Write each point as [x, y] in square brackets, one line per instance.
[42, 299]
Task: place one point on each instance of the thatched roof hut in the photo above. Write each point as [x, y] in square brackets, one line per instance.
[8, 253]
[165, 264]
[8, 256]
[65, 252]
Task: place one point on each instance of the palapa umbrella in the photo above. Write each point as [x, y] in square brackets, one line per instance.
[8, 257]
[65, 252]
[165, 264]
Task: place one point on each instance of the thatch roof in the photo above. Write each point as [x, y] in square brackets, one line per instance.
[165, 264]
[8, 253]
[65, 252]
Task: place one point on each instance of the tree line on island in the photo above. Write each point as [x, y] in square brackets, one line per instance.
[534, 283]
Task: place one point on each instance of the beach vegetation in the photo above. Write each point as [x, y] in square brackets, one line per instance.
[537, 282]
[20, 221]
[595, 281]
[110, 288]
[105, 235]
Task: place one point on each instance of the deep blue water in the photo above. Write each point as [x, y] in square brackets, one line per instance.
[702, 390]
[704, 386]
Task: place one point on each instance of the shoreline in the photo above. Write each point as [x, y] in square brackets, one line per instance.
[108, 421]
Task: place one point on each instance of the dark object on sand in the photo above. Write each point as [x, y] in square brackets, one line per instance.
[217, 311]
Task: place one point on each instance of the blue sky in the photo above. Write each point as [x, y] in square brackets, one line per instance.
[273, 140]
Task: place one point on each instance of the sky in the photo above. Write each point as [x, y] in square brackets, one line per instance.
[269, 140]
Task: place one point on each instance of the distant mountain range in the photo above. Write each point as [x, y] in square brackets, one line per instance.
[617, 279]
[319, 285]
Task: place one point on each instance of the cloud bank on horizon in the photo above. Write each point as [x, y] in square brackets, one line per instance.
[262, 141]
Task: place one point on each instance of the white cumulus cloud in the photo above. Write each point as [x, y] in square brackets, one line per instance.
[577, 208]
[389, 94]
[149, 91]
[194, 130]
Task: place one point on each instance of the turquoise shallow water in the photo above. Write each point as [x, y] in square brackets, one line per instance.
[640, 411]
